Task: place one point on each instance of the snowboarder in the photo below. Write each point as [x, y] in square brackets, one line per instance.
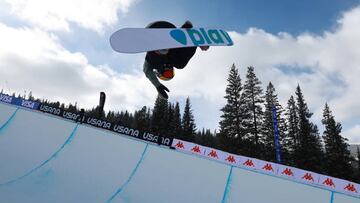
[160, 64]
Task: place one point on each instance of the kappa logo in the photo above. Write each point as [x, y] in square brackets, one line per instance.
[196, 149]
[180, 145]
[201, 36]
[288, 172]
[351, 187]
[213, 154]
[329, 182]
[308, 177]
[268, 167]
[231, 159]
[249, 163]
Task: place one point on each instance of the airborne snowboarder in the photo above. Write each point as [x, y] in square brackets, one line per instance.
[160, 64]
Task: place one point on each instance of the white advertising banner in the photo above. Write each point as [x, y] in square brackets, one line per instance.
[248, 163]
[188, 147]
[308, 177]
[197, 149]
[267, 167]
[216, 154]
[299, 175]
[287, 171]
[232, 159]
[339, 185]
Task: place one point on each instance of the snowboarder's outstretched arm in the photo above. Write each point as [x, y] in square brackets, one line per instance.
[149, 73]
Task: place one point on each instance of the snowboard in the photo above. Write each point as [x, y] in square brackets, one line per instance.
[137, 40]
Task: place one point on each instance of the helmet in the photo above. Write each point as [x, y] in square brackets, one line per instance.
[166, 74]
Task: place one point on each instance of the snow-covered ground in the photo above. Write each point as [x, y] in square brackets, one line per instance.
[48, 159]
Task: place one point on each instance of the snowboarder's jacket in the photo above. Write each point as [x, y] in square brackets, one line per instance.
[177, 57]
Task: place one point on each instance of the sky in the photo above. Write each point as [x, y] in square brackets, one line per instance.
[60, 50]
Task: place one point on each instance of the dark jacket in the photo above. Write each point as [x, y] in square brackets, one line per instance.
[177, 58]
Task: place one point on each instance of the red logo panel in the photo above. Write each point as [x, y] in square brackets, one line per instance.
[288, 172]
[180, 145]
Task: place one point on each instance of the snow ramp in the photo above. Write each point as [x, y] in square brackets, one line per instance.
[46, 158]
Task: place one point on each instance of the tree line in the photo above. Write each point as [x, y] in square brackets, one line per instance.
[246, 127]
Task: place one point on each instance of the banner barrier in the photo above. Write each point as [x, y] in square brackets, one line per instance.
[292, 173]
[6, 98]
[117, 128]
[298, 175]
[78, 117]
[267, 167]
[18, 101]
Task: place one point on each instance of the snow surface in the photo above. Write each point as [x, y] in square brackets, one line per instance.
[48, 159]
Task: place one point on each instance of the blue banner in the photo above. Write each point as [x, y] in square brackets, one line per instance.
[78, 117]
[6, 98]
[19, 101]
[276, 134]
[99, 123]
[26, 103]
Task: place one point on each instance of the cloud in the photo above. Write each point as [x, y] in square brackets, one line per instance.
[353, 133]
[59, 14]
[34, 60]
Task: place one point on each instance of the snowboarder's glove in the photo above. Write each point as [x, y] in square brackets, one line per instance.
[162, 91]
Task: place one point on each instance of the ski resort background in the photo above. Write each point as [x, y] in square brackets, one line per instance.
[275, 169]
[164, 125]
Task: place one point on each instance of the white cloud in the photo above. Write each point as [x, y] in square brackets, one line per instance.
[35, 60]
[58, 14]
[353, 134]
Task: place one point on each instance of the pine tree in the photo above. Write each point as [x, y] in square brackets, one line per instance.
[188, 123]
[170, 118]
[205, 138]
[71, 108]
[338, 158]
[142, 120]
[125, 118]
[175, 125]
[231, 126]
[292, 121]
[309, 154]
[271, 101]
[253, 96]
[110, 116]
[159, 119]
[31, 97]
